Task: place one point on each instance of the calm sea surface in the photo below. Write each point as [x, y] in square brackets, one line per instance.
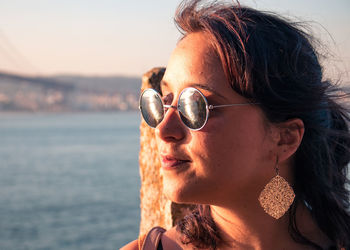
[68, 181]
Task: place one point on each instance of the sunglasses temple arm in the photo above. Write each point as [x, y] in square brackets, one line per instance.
[229, 105]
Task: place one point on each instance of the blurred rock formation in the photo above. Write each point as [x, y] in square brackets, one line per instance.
[156, 209]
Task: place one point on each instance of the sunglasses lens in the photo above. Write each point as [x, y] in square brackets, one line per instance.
[193, 108]
[151, 107]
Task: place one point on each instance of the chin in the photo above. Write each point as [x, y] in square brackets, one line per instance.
[176, 196]
[176, 193]
[182, 194]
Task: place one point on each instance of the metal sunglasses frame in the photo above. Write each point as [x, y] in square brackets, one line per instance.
[207, 106]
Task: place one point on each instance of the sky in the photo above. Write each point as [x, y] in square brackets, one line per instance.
[118, 37]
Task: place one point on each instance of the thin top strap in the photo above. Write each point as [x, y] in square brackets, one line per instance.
[152, 239]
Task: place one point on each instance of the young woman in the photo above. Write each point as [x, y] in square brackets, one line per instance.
[248, 129]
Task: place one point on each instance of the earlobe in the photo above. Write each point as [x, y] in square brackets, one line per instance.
[291, 134]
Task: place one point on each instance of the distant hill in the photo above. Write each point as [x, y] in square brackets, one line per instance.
[68, 93]
[90, 83]
[44, 82]
[102, 83]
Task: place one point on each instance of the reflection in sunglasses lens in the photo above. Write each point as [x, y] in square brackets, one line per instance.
[152, 107]
[192, 108]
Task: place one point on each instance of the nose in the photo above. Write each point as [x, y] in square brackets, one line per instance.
[171, 129]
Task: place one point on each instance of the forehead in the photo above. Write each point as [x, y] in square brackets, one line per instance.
[199, 44]
[193, 61]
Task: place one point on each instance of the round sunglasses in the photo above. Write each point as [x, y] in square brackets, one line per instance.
[192, 107]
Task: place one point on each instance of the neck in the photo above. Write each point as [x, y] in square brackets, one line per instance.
[251, 228]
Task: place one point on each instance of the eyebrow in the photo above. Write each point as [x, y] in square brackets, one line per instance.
[200, 86]
[208, 88]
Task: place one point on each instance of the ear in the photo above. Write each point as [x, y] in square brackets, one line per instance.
[290, 133]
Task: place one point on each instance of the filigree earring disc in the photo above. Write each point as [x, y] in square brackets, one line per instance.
[277, 197]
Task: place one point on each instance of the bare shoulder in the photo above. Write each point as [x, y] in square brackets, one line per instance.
[171, 239]
[131, 246]
[172, 233]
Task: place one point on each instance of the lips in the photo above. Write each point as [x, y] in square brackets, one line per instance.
[173, 162]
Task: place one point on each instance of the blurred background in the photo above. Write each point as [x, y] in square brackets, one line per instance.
[70, 75]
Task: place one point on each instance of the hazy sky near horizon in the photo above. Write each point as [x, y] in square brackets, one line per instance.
[115, 37]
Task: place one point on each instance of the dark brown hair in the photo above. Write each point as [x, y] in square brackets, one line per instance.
[271, 60]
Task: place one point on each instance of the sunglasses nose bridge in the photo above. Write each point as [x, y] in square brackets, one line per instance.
[170, 106]
[166, 107]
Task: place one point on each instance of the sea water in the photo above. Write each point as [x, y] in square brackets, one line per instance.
[69, 181]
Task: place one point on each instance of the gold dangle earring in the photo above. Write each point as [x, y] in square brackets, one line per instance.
[277, 196]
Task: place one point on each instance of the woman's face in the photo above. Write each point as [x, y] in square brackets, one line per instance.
[230, 158]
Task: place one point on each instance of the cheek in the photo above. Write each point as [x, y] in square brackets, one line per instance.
[231, 150]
